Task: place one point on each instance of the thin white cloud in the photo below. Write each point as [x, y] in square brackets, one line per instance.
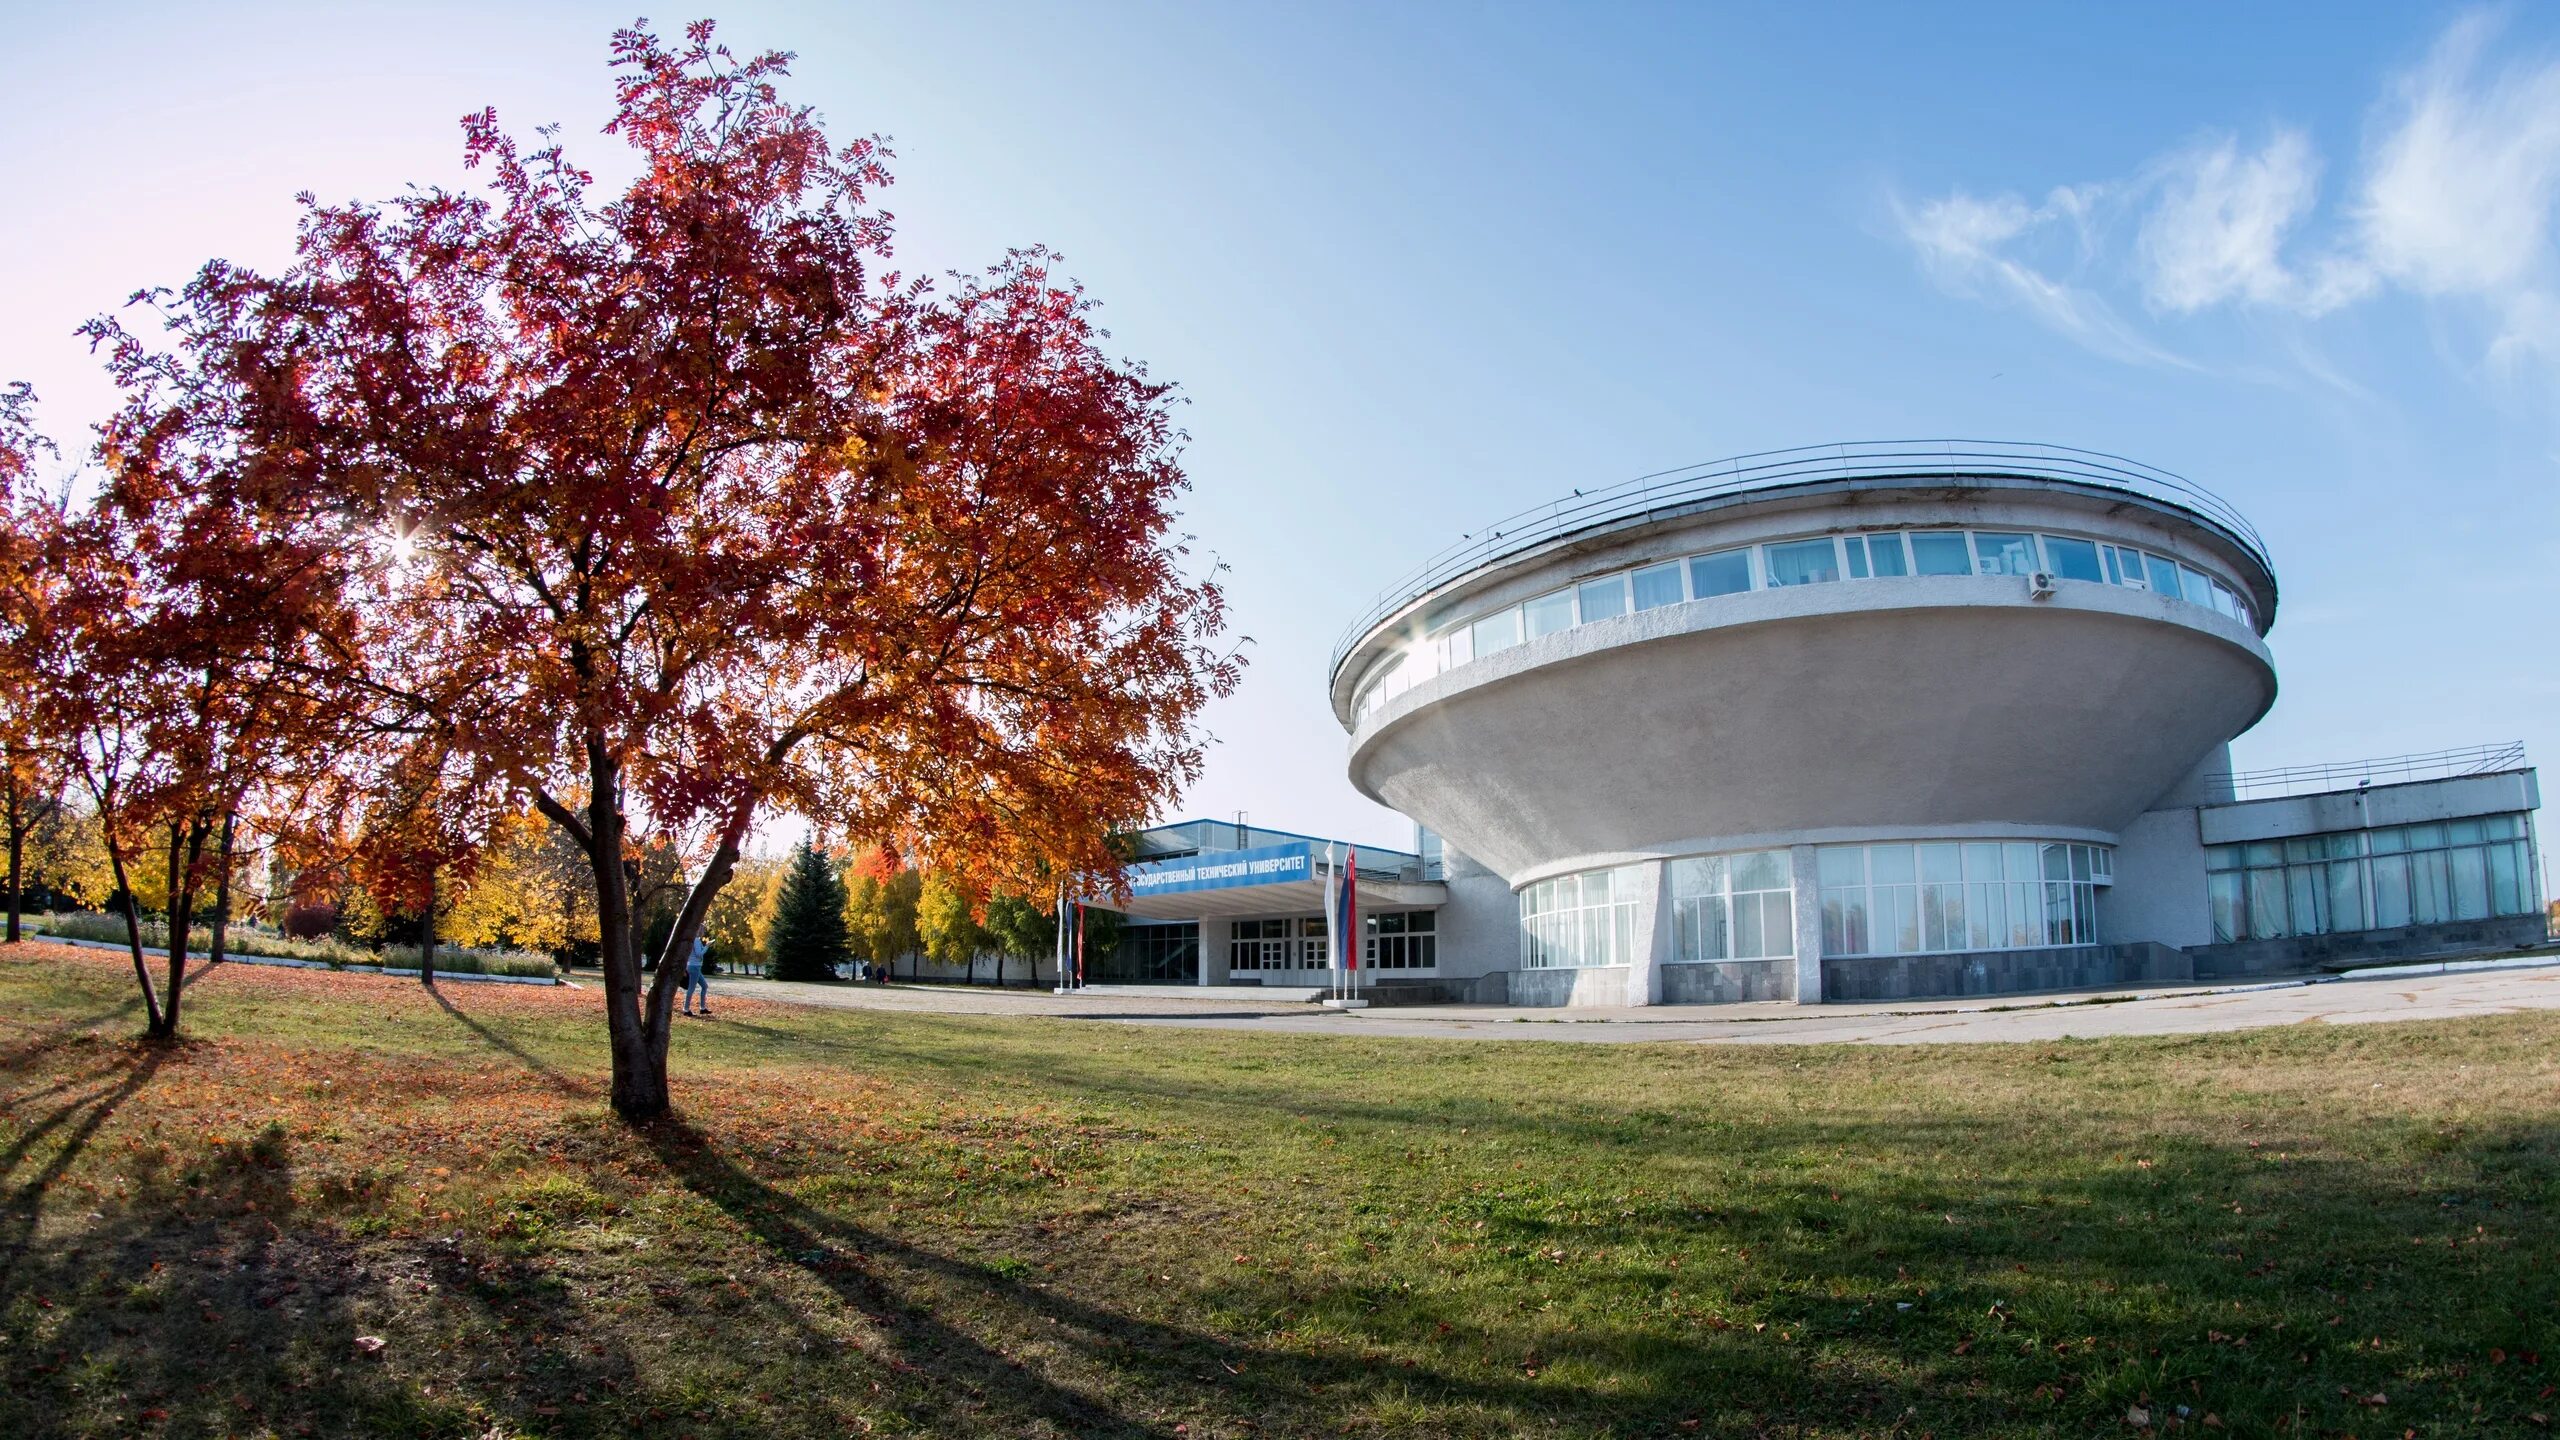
[2218, 231]
[2453, 199]
[1964, 241]
[2459, 192]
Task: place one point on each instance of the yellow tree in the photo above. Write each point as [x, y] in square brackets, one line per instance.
[880, 907]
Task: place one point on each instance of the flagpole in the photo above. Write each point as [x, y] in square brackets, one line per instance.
[1058, 960]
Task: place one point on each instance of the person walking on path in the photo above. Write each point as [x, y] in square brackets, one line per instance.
[694, 984]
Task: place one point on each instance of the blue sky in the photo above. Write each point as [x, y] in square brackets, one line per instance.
[1417, 266]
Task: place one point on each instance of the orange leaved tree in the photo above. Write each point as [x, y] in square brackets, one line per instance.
[193, 665]
[701, 515]
[30, 771]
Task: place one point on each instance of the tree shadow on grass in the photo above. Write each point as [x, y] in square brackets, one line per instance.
[908, 1291]
[508, 1047]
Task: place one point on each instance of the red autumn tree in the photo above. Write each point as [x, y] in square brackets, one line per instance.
[195, 612]
[30, 773]
[706, 516]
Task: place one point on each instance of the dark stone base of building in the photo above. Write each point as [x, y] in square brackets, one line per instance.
[2003, 972]
[1728, 982]
[2306, 953]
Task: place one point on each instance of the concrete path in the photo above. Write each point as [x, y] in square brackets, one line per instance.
[2179, 1011]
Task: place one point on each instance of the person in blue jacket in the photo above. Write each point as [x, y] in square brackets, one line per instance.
[694, 984]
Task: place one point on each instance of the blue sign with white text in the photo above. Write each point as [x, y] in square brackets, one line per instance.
[1223, 869]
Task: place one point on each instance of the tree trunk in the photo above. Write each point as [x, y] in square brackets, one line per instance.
[427, 935]
[17, 850]
[133, 935]
[185, 849]
[640, 1019]
[222, 894]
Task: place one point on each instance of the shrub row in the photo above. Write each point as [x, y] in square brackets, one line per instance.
[337, 954]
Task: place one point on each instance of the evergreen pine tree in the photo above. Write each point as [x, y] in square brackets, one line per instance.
[809, 934]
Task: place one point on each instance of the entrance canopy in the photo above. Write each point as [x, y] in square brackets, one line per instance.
[1266, 880]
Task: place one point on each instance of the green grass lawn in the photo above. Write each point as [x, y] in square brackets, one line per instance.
[902, 1225]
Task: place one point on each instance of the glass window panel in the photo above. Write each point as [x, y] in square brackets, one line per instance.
[2429, 882]
[1940, 863]
[2079, 862]
[2500, 827]
[2264, 852]
[2470, 883]
[2084, 906]
[2266, 904]
[1840, 865]
[2346, 895]
[1748, 935]
[1727, 572]
[2389, 841]
[1603, 598]
[1891, 864]
[2230, 917]
[2026, 913]
[1802, 562]
[2194, 587]
[1496, 632]
[2021, 862]
[2506, 879]
[2115, 572]
[1855, 548]
[2425, 837]
[1657, 586]
[2466, 832]
[2160, 575]
[1884, 553]
[1762, 870]
[1549, 613]
[2222, 857]
[1941, 916]
[1940, 555]
[1998, 553]
[1977, 915]
[2057, 862]
[1982, 862]
[1778, 922]
[2306, 849]
[2073, 559]
[1905, 934]
[2102, 863]
[2308, 898]
[2390, 892]
[2058, 926]
[2224, 601]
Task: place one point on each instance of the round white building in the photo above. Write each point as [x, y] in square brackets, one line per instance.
[1857, 721]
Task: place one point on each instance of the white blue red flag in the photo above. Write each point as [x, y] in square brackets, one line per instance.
[1344, 922]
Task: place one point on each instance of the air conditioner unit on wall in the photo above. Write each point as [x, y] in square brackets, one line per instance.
[2040, 586]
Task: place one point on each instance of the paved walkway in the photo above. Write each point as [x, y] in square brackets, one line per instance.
[2169, 1011]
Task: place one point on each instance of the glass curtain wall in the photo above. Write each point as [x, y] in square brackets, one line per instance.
[1733, 907]
[2378, 879]
[1951, 896]
[1577, 921]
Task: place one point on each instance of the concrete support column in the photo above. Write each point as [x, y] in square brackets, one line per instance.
[1808, 902]
[1653, 934]
[1213, 951]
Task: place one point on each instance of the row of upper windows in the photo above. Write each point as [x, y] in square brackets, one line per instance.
[1801, 562]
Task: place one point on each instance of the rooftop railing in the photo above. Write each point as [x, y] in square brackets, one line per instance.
[1670, 490]
[2390, 770]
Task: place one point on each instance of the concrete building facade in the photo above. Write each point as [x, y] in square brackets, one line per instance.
[1856, 723]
